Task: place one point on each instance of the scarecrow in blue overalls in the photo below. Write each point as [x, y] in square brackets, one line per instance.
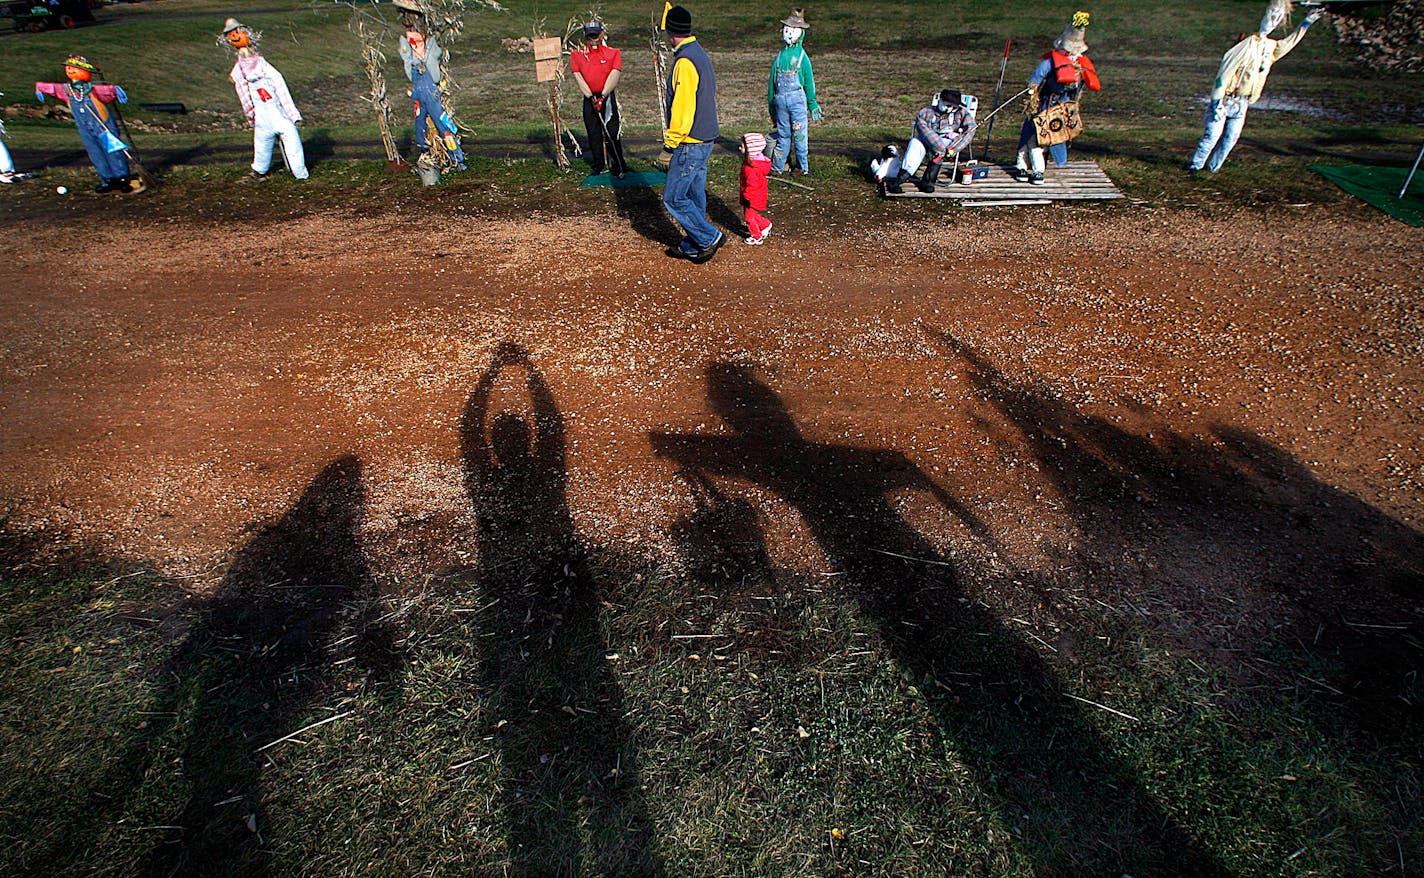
[97, 121]
[422, 56]
[791, 96]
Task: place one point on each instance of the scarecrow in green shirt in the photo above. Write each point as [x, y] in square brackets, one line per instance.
[791, 96]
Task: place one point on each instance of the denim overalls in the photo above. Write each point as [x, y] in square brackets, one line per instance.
[430, 109]
[791, 114]
[92, 131]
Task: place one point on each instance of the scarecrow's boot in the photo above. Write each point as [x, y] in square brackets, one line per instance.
[896, 184]
[930, 178]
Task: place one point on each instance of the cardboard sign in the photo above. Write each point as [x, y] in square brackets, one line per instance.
[548, 58]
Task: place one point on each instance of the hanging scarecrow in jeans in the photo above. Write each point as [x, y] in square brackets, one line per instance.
[422, 56]
[1238, 85]
[266, 101]
[97, 121]
[791, 96]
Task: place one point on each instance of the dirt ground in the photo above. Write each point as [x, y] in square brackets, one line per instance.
[1223, 404]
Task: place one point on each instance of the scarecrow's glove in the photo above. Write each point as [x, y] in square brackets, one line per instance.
[1031, 101]
[815, 114]
[122, 95]
[598, 102]
[1313, 17]
[665, 158]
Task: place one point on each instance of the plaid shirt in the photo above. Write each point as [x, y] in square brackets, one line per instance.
[946, 132]
[257, 81]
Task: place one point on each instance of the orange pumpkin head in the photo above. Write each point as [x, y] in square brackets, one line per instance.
[78, 74]
[239, 38]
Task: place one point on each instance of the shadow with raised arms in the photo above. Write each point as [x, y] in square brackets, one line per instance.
[1003, 703]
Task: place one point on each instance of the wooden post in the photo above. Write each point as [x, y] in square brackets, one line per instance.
[549, 69]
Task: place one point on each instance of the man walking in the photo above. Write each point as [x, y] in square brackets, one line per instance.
[687, 140]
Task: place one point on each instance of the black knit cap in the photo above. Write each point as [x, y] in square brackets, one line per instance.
[678, 22]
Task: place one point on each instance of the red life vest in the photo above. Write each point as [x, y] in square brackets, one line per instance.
[1068, 74]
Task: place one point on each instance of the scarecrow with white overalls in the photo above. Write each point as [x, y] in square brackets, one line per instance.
[422, 56]
[266, 101]
[791, 96]
[1238, 85]
[1054, 88]
[91, 104]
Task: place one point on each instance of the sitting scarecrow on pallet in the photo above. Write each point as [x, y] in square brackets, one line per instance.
[944, 128]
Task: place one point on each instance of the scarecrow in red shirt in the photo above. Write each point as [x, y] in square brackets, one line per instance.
[597, 67]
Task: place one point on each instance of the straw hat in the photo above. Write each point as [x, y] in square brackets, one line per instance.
[797, 18]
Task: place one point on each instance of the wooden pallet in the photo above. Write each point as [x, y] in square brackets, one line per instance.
[1078, 182]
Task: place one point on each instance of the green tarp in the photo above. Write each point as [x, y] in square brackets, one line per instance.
[1380, 187]
[638, 179]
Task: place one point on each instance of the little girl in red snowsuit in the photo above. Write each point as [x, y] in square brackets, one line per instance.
[755, 166]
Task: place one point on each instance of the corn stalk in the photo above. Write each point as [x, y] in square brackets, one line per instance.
[661, 52]
[374, 59]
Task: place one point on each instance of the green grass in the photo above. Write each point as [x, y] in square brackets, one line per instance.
[873, 71]
[763, 723]
[761, 728]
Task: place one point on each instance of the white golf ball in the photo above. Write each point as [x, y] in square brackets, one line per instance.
[62, 190]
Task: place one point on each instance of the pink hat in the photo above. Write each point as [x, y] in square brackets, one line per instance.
[754, 143]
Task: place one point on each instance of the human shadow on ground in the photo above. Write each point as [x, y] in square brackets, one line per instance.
[642, 206]
[720, 214]
[572, 798]
[252, 661]
[256, 662]
[1009, 703]
[1234, 542]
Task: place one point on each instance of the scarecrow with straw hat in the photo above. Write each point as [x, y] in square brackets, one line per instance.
[1239, 81]
[1052, 104]
[791, 96]
[90, 104]
[266, 101]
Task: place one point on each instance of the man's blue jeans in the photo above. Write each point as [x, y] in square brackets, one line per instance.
[1224, 120]
[685, 195]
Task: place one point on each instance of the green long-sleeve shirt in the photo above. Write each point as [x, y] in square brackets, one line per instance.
[793, 58]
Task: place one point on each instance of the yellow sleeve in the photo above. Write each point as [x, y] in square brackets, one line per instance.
[684, 104]
[1286, 43]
